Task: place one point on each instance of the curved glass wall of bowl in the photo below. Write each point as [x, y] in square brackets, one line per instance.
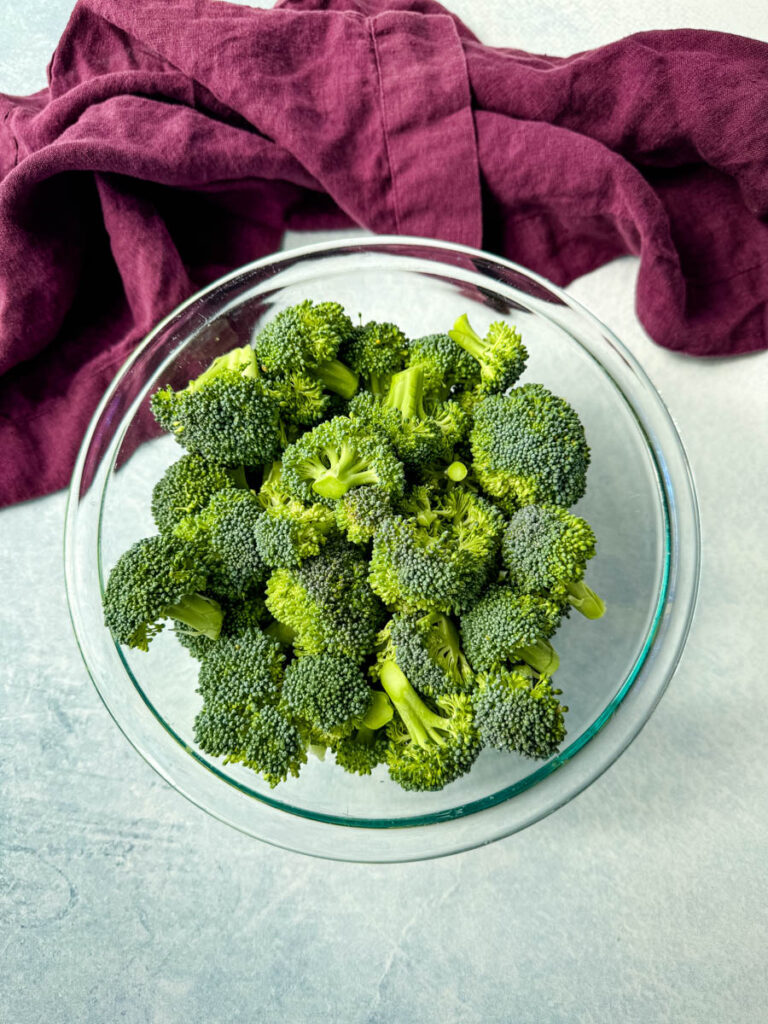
[640, 501]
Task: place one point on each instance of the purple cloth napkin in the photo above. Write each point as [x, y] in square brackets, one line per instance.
[179, 138]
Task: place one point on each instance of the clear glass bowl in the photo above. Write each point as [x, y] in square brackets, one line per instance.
[640, 500]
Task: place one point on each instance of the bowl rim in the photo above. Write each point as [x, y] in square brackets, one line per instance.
[482, 805]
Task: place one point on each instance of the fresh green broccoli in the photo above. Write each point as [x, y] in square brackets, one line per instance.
[546, 551]
[264, 740]
[306, 338]
[242, 672]
[428, 650]
[289, 531]
[438, 554]
[529, 448]
[375, 351]
[186, 487]
[427, 748]
[328, 603]
[361, 752]
[500, 354]
[158, 578]
[517, 711]
[239, 615]
[226, 414]
[504, 626]
[419, 431]
[337, 455]
[301, 399]
[361, 511]
[223, 535]
[327, 691]
[445, 365]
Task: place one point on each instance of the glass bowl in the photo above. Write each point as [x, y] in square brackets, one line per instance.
[640, 501]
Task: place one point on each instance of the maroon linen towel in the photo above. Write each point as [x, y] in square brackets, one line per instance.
[178, 138]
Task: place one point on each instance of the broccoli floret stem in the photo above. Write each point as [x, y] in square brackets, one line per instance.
[200, 613]
[585, 600]
[280, 632]
[379, 713]
[406, 393]
[346, 470]
[242, 359]
[424, 726]
[468, 339]
[542, 656]
[456, 472]
[337, 377]
[237, 476]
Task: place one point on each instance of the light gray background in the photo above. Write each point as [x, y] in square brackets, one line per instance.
[644, 900]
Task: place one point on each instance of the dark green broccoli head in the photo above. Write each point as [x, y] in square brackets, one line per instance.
[302, 336]
[337, 455]
[517, 711]
[427, 748]
[501, 354]
[375, 351]
[186, 487]
[327, 691]
[328, 603]
[361, 511]
[439, 554]
[273, 746]
[529, 448]
[243, 671]
[506, 626]
[362, 751]
[428, 650]
[445, 364]
[158, 578]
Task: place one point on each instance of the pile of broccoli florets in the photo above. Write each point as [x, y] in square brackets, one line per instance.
[368, 546]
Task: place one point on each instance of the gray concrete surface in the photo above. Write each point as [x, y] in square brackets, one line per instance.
[644, 900]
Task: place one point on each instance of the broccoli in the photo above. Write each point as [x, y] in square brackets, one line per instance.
[226, 414]
[223, 536]
[529, 448]
[445, 365]
[306, 338]
[158, 578]
[546, 550]
[516, 711]
[337, 455]
[302, 400]
[420, 431]
[375, 351]
[361, 511]
[361, 752]
[327, 691]
[507, 626]
[186, 487]
[438, 554]
[500, 354]
[428, 650]
[289, 531]
[243, 671]
[328, 603]
[264, 740]
[427, 748]
[239, 615]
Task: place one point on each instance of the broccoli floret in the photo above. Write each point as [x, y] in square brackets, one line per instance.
[363, 751]
[289, 531]
[439, 554]
[446, 366]
[223, 535]
[328, 603]
[264, 740]
[226, 414]
[327, 691]
[546, 551]
[375, 351]
[428, 650]
[306, 338]
[301, 399]
[529, 448]
[361, 511]
[158, 578]
[501, 354]
[336, 456]
[243, 671]
[239, 615]
[505, 626]
[427, 748]
[186, 487]
[517, 711]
